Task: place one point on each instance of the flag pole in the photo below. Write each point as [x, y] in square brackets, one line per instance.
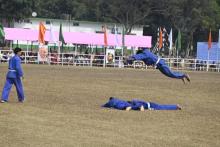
[177, 52]
[218, 65]
[207, 69]
[58, 56]
[217, 59]
[209, 47]
[105, 44]
[104, 56]
[26, 53]
[75, 49]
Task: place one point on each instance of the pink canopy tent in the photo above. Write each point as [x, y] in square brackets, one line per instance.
[79, 38]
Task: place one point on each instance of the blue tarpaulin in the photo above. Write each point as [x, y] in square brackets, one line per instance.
[202, 51]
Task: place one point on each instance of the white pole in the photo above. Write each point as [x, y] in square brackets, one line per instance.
[58, 52]
[122, 51]
[207, 69]
[26, 53]
[75, 49]
[62, 58]
[11, 42]
[91, 54]
[49, 58]
[177, 60]
[104, 57]
[27, 46]
[92, 47]
[217, 59]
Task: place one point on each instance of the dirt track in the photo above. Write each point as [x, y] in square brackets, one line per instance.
[62, 108]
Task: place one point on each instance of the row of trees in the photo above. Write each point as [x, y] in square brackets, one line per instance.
[192, 17]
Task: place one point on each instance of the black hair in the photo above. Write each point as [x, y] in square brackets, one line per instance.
[139, 51]
[16, 50]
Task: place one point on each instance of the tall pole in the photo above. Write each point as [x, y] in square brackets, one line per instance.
[104, 56]
[69, 21]
[26, 53]
[209, 47]
[11, 42]
[75, 49]
[27, 46]
[217, 59]
[207, 69]
[58, 56]
[177, 54]
[123, 42]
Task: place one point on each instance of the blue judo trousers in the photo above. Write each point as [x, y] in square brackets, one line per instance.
[151, 59]
[150, 105]
[14, 77]
[135, 104]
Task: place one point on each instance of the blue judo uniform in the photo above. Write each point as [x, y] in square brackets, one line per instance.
[136, 104]
[117, 104]
[14, 77]
[151, 106]
[151, 59]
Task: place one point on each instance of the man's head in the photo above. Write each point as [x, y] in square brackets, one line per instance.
[139, 51]
[17, 51]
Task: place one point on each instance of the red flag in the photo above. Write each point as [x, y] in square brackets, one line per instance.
[210, 40]
[42, 30]
[105, 36]
[160, 39]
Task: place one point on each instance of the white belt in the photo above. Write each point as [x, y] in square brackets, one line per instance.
[12, 70]
[148, 106]
[158, 60]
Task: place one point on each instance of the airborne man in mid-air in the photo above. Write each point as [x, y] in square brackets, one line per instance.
[151, 59]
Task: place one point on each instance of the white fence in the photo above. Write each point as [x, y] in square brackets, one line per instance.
[72, 59]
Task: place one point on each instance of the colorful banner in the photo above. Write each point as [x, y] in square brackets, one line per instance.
[110, 56]
[42, 31]
[43, 53]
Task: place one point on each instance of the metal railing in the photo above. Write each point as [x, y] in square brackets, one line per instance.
[72, 59]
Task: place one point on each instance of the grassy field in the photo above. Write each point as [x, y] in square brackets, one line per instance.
[62, 108]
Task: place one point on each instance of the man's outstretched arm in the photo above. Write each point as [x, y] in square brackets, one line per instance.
[140, 56]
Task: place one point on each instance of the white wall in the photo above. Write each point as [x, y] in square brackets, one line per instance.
[67, 26]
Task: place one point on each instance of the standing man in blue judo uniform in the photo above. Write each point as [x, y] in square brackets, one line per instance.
[151, 59]
[14, 76]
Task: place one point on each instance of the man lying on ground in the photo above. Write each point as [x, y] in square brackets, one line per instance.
[136, 104]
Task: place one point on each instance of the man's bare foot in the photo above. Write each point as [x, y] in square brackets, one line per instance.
[142, 108]
[128, 109]
[187, 77]
[178, 107]
[183, 79]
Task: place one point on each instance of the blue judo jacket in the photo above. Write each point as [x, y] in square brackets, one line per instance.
[146, 56]
[13, 77]
[151, 59]
[117, 104]
[14, 68]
